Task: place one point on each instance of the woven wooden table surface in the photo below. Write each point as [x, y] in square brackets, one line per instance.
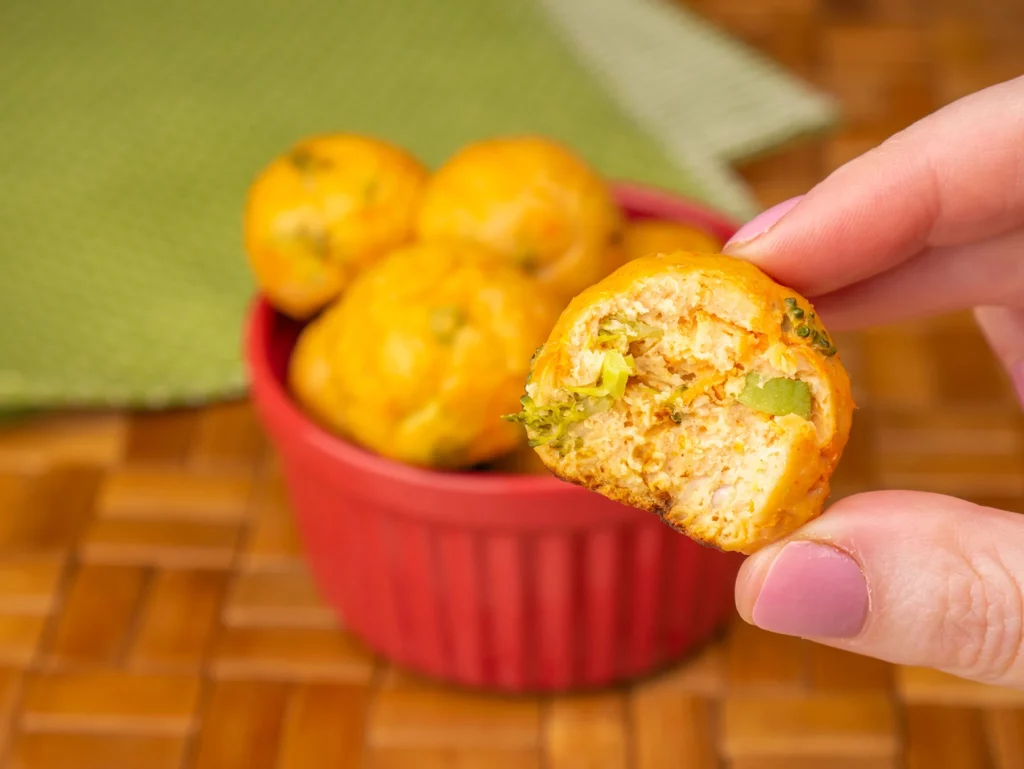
[155, 612]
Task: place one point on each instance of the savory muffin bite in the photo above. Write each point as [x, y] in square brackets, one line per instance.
[429, 348]
[531, 200]
[693, 386]
[324, 210]
[311, 370]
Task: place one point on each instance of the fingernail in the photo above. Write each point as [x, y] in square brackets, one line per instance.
[1017, 375]
[761, 223]
[813, 591]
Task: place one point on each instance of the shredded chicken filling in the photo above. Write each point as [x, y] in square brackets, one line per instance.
[685, 429]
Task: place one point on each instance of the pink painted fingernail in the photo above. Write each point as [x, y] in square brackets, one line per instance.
[761, 223]
[813, 591]
[1017, 376]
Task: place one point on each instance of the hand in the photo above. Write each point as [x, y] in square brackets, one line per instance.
[930, 221]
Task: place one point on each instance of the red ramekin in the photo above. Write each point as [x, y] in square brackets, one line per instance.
[507, 582]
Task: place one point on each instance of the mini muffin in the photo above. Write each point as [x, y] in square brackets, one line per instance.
[531, 200]
[693, 386]
[324, 210]
[311, 371]
[614, 256]
[647, 237]
[430, 347]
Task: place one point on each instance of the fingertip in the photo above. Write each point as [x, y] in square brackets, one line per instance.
[813, 590]
[750, 579]
[743, 243]
[1003, 328]
[778, 241]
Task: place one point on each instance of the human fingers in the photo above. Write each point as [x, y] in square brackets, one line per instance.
[955, 177]
[936, 281]
[907, 577]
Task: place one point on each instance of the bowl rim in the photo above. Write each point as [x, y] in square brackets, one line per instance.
[271, 395]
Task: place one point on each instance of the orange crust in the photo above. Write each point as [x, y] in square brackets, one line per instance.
[324, 210]
[533, 201]
[311, 371]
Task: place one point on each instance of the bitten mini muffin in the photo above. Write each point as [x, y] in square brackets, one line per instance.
[693, 386]
[430, 347]
[324, 210]
[531, 200]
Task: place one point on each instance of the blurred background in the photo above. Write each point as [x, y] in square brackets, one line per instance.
[156, 607]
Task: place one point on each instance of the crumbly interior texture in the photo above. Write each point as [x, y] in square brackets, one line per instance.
[679, 440]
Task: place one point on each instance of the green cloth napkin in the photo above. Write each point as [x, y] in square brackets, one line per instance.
[132, 130]
[708, 100]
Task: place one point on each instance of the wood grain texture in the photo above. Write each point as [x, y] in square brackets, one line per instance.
[857, 725]
[667, 726]
[177, 623]
[97, 615]
[325, 725]
[242, 726]
[586, 732]
[110, 701]
[408, 712]
[37, 750]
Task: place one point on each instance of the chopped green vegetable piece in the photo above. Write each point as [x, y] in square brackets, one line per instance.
[445, 322]
[675, 410]
[529, 261]
[803, 331]
[777, 396]
[306, 162]
[550, 424]
[640, 330]
[615, 371]
[614, 331]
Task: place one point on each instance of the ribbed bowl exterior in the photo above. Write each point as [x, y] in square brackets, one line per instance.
[511, 583]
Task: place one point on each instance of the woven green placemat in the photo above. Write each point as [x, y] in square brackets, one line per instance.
[131, 131]
[707, 100]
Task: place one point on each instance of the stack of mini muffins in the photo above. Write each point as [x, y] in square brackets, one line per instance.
[426, 294]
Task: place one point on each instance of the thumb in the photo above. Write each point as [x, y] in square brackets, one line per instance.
[911, 578]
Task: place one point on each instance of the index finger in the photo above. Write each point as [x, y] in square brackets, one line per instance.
[954, 177]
